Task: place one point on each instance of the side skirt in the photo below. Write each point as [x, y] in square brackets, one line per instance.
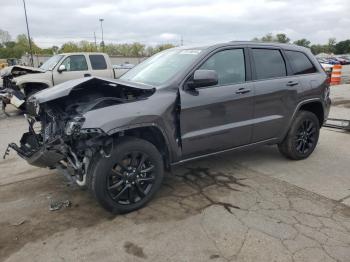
[252, 145]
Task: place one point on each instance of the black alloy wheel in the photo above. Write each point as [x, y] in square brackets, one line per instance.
[305, 137]
[131, 179]
[302, 136]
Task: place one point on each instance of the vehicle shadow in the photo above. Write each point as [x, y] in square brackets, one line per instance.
[26, 217]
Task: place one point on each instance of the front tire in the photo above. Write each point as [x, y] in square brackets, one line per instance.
[302, 136]
[129, 178]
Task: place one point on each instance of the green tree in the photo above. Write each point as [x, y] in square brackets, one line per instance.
[162, 47]
[69, 47]
[331, 45]
[86, 46]
[267, 38]
[279, 38]
[55, 49]
[303, 42]
[17, 48]
[342, 47]
[137, 49]
[149, 51]
[112, 49]
[316, 49]
[282, 38]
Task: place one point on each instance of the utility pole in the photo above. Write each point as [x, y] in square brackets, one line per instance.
[29, 40]
[102, 43]
[95, 40]
[182, 40]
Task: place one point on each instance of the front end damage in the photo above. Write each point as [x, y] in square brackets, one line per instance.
[56, 137]
[11, 72]
[10, 92]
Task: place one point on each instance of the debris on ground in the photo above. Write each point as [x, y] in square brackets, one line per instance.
[19, 222]
[54, 206]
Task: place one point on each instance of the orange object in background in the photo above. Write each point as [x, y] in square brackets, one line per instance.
[336, 75]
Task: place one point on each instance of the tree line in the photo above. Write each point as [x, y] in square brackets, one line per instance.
[19, 46]
[332, 46]
[16, 48]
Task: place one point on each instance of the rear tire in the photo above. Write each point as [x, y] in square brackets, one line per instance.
[302, 136]
[129, 178]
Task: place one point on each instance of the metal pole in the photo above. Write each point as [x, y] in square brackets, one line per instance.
[103, 43]
[95, 40]
[29, 40]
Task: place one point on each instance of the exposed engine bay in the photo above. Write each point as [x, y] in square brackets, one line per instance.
[56, 138]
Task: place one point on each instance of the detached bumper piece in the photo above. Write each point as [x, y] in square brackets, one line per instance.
[34, 153]
[338, 123]
[12, 96]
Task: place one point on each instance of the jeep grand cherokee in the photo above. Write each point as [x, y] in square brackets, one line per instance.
[117, 137]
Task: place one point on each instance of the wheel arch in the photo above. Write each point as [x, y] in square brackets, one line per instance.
[151, 133]
[314, 107]
[33, 85]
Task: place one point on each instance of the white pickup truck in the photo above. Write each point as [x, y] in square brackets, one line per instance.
[58, 69]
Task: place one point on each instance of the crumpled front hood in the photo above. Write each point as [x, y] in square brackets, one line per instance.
[64, 89]
[9, 70]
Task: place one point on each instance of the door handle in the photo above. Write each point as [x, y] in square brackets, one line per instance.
[292, 83]
[242, 90]
[87, 75]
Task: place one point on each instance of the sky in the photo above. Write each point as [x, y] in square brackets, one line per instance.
[154, 22]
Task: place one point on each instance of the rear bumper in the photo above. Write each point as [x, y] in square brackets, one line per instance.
[326, 109]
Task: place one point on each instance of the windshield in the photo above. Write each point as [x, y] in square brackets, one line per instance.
[161, 67]
[51, 63]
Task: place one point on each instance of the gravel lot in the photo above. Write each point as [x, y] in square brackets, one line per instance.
[243, 206]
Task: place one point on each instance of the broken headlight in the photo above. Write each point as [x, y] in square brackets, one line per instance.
[36, 108]
[33, 107]
[73, 126]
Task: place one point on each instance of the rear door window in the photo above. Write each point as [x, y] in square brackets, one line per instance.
[98, 62]
[229, 65]
[300, 62]
[269, 63]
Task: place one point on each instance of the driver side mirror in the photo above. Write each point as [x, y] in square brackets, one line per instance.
[203, 78]
[61, 68]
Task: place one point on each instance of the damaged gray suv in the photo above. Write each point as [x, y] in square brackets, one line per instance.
[117, 137]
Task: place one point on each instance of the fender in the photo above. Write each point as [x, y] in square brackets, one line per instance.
[39, 78]
[300, 104]
[135, 126]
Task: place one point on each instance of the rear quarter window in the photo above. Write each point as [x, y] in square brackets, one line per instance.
[98, 62]
[301, 64]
